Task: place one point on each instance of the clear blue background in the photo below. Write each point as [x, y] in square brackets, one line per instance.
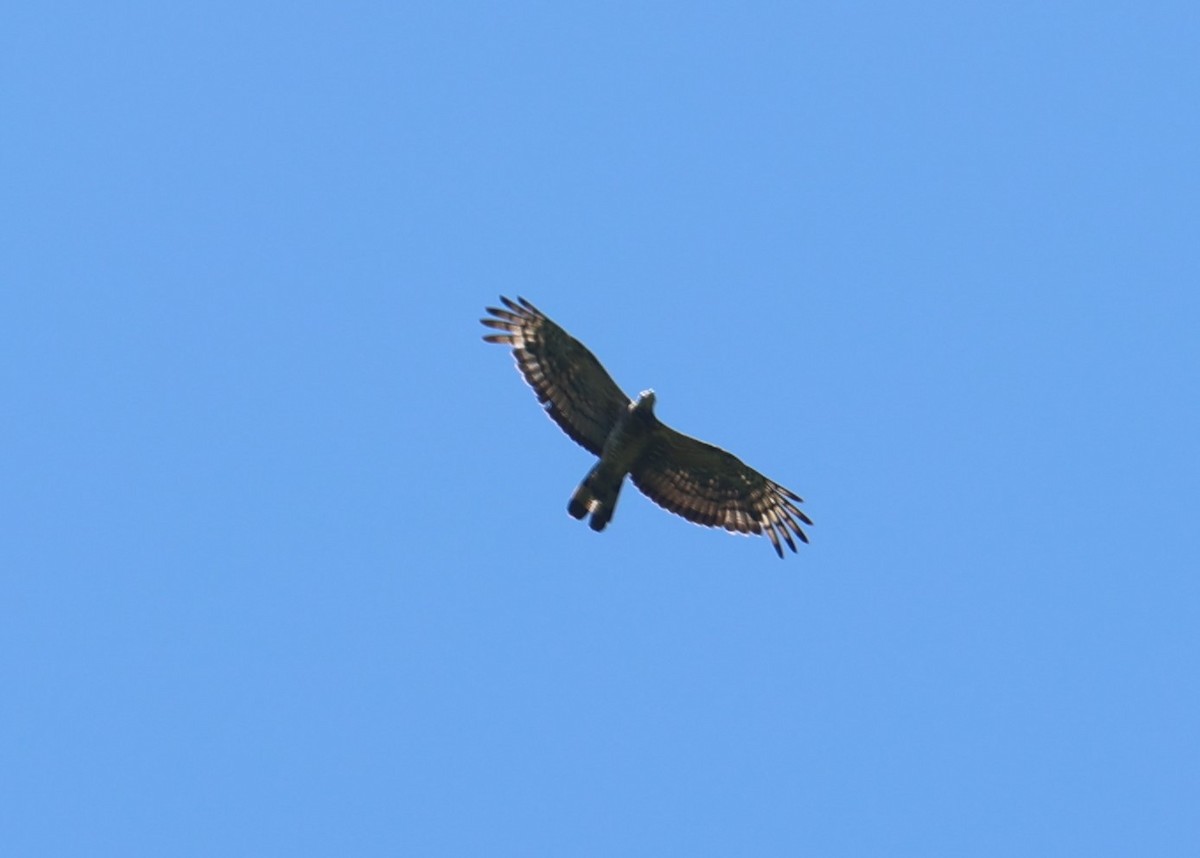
[286, 566]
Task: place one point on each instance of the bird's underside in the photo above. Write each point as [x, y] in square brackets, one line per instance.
[698, 481]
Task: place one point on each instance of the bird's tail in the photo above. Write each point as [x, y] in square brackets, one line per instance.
[597, 494]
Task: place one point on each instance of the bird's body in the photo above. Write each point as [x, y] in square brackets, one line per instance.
[622, 449]
[698, 481]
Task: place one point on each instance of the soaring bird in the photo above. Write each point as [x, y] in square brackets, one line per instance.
[684, 475]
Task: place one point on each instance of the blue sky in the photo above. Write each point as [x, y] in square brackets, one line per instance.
[286, 563]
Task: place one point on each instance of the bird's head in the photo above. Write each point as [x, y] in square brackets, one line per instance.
[645, 402]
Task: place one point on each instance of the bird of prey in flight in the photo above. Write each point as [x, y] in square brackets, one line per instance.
[686, 476]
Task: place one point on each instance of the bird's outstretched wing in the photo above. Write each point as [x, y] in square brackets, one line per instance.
[577, 391]
[709, 486]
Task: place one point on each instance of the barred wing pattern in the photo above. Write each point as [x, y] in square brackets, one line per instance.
[577, 392]
[709, 486]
